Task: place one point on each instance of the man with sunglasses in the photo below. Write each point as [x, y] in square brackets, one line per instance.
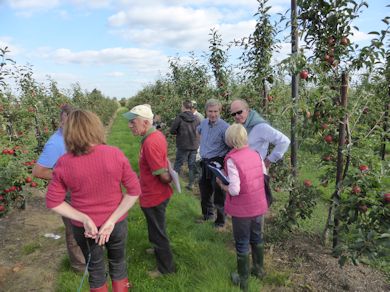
[260, 133]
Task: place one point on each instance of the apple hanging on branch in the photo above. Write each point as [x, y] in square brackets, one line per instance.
[363, 168]
[307, 183]
[328, 139]
[386, 197]
[304, 74]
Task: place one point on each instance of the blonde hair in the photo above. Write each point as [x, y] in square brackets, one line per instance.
[236, 136]
[82, 130]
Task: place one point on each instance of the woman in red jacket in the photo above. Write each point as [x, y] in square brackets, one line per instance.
[245, 202]
[93, 173]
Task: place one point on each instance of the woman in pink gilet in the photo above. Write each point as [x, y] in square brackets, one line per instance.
[245, 202]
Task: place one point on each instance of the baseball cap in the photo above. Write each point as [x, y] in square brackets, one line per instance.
[142, 110]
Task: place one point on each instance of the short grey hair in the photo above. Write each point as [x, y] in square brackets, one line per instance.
[243, 102]
[213, 102]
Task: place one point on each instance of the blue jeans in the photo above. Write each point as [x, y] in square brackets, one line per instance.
[183, 155]
[247, 231]
[116, 252]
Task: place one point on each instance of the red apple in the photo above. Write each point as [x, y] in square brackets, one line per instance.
[28, 179]
[386, 197]
[363, 208]
[324, 126]
[1, 198]
[331, 60]
[326, 58]
[331, 40]
[344, 41]
[2, 208]
[304, 74]
[269, 97]
[5, 151]
[328, 139]
[356, 190]
[327, 158]
[33, 184]
[307, 183]
[363, 168]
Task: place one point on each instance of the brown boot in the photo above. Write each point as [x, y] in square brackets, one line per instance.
[121, 285]
[103, 288]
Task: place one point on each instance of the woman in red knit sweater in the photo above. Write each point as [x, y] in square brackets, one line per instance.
[93, 173]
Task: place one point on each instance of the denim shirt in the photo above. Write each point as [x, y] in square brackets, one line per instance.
[212, 139]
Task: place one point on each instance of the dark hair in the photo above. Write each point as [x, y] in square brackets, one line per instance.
[187, 104]
[66, 109]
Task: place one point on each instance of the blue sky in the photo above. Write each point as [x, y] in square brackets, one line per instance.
[121, 46]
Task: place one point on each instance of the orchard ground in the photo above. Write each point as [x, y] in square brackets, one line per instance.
[29, 261]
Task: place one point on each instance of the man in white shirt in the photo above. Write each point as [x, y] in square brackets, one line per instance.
[260, 133]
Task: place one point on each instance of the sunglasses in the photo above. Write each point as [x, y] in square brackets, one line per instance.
[236, 113]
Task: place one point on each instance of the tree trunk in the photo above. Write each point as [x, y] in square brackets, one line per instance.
[339, 171]
[294, 89]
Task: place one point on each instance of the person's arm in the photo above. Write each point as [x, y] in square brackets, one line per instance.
[42, 172]
[165, 177]
[234, 179]
[108, 226]
[66, 210]
[280, 141]
[156, 156]
[174, 126]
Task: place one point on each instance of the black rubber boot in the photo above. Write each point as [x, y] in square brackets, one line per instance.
[241, 278]
[258, 260]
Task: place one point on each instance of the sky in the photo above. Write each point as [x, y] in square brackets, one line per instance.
[121, 46]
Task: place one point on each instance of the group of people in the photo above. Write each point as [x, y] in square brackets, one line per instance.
[86, 178]
[242, 151]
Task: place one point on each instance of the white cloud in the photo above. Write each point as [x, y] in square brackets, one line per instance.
[115, 74]
[175, 27]
[123, 56]
[14, 49]
[95, 4]
[33, 4]
[359, 36]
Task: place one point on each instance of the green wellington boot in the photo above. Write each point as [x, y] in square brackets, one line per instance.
[241, 277]
[258, 260]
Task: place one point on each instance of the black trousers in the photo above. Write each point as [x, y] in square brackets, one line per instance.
[155, 218]
[211, 195]
[116, 252]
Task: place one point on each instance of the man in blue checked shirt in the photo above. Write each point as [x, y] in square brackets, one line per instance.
[212, 150]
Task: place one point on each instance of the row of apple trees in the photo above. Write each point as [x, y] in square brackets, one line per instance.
[336, 111]
[29, 114]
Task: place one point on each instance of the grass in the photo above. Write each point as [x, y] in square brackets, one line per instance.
[204, 258]
[30, 248]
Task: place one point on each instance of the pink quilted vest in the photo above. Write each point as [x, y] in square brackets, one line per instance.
[251, 200]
